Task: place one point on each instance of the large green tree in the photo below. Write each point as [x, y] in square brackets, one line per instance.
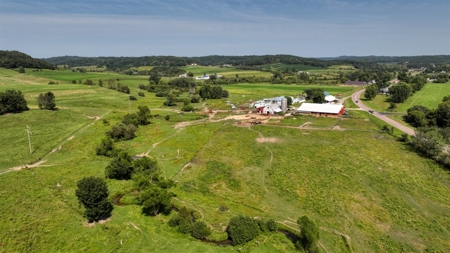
[12, 101]
[400, 92]
[47, 101]
[93, 192]
[155, 200]
[309, 232]
[443, 114]
[371, 92]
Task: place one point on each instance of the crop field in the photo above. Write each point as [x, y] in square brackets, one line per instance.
[367, 191]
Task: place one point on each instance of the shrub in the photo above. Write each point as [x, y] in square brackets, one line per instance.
[132, 97]
[309, 234]
[187, 108]
[141, 94]
[121, 131]
[242, 229]
[200, 230]
[106, 148]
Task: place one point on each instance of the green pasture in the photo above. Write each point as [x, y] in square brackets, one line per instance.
[283, 67]
[230, 72]
[367, 191]
[430, 96]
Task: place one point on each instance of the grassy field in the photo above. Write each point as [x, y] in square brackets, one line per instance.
[368, 192]
[430, 96]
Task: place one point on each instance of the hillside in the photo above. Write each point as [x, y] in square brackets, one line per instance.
[15, 59]
[248, 62]
[409, 61]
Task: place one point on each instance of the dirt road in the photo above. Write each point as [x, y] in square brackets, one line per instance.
[357, 101]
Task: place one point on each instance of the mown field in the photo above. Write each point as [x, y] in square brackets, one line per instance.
[430, 96]
[367, 191]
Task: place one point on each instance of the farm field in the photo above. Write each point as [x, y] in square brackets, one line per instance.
[430, 96]
[367, 191]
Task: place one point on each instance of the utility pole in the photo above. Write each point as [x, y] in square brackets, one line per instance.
[29, 140]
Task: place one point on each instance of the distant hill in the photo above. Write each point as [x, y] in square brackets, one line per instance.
[246, 62]
[15, 59]
[409, 61]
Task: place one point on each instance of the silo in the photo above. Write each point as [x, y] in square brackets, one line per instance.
[284, 104]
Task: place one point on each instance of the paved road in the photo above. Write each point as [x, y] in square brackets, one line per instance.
[355, 97]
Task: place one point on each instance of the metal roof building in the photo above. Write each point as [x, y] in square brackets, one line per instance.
[321, 109]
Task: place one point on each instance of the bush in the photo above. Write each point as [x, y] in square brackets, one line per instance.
[121, 131]
[242, 229]
[200, 230]
[187, 108]
[141, 94]
[120, 167]
[132, 98]
[93, 192]
[155, 200]
[106, 148]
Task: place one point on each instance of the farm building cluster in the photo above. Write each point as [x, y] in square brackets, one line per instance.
[275, 105]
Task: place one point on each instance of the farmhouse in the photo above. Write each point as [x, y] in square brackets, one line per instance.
[326, 110]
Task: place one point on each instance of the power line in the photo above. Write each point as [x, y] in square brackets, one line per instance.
[29, 140]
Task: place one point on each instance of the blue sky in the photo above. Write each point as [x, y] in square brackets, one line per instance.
[308, 28]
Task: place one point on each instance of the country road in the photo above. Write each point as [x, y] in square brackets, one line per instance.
[355, 98]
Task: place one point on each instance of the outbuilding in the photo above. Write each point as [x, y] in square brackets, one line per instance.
[324, 110]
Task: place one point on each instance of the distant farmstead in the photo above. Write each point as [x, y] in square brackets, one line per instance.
[325, 110]
[360, 83]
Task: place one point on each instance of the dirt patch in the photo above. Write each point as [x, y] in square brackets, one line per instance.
[266, 139]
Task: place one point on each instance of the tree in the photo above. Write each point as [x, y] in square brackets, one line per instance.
[93, 192]
[309, 234]
[242, 229]
[21, 70]
[371, 92]
[12, 101]
[399, 93]
[121, 131]
[120, 167]
[155, 200]
[145, 165]
[318, 96]
[289, 100]
[443, 115]
[46, 101]
[106, 148]
[154, 77]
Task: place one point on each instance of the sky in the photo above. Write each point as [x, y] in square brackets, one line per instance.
[307, 28]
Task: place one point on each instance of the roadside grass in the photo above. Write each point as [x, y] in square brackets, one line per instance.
[380, 103]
